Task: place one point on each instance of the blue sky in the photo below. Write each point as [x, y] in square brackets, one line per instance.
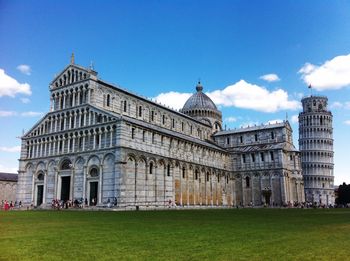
[160, 49]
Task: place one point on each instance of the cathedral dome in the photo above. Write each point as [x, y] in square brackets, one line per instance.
[202, 108]
[199, 100]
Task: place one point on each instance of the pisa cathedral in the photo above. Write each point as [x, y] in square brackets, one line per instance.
[100, 142]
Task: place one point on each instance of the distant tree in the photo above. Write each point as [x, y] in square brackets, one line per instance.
[343, 194]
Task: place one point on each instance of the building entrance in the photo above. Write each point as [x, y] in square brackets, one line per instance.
[39, 195]
[93, 193]
[65, 188]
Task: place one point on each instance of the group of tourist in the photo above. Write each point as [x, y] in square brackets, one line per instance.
[76, 203]
[61, 204]
[5, 205]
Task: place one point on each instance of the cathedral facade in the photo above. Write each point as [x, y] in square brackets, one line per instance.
[102, 143]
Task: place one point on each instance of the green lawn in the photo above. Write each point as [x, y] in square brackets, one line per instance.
[243, 234]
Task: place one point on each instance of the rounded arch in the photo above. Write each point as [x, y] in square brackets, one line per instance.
[93, 160]
[152, 159]
[79, 162]
[93, 171]
[217, 125]
[28, 166]
[108, 157]
[65, 164]
[51, 164]
[40, 166]
[142, 159]
[161, 162]
[40, 176]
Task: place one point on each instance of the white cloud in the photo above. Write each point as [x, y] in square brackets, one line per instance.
[7, 113]
[8, 169]
[241, 95]
[270, 77]
[11, 149]
[175, 100]
[331, 75]
[336, 105]
[231, 119]
[295, 119]
[31, 114]
[23, 114]
[347, 122]
[25, 100]
[250, 96]
[340, 105]
[10, 86]
[24, 68]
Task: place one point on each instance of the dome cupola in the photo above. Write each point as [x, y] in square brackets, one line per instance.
[201, 107]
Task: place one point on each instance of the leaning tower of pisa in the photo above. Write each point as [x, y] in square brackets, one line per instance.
[316, 147]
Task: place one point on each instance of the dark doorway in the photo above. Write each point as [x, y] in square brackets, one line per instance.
[93, 193]
[40, 194]
[65, 188]
[267, 195]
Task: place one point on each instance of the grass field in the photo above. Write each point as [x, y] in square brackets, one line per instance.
[231, 234]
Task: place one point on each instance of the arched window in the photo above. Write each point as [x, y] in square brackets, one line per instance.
[183, 172]
[108, 102]
[196, 175]
[151, 168]
[247, 182]
[168, 170]
[93, 172]
[66, 164]
[140, 111]
[41, 177]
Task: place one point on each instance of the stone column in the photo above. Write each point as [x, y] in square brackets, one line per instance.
[83, 142]
[72, 184]
[56, 183]
[59, 101]
[85, 115]
[79, 100]
[54, 147]
[40, 154]
[94, 140]
[79, 115]
[233, 187]
[100, 184]
[283, 195]
[252, 188]
[33, 189]
[68, 145]
[63, 145]
[73, 98]
[64, 100]
[271, 187]
[89, 95]
[84, 183]
[73, 145]
[70, 120]
[111, 138]
[45, 187]
[100, 138]
[243, 194]
[45, 147]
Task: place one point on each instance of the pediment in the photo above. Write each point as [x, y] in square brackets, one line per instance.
[43, 125]
[72, 74]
